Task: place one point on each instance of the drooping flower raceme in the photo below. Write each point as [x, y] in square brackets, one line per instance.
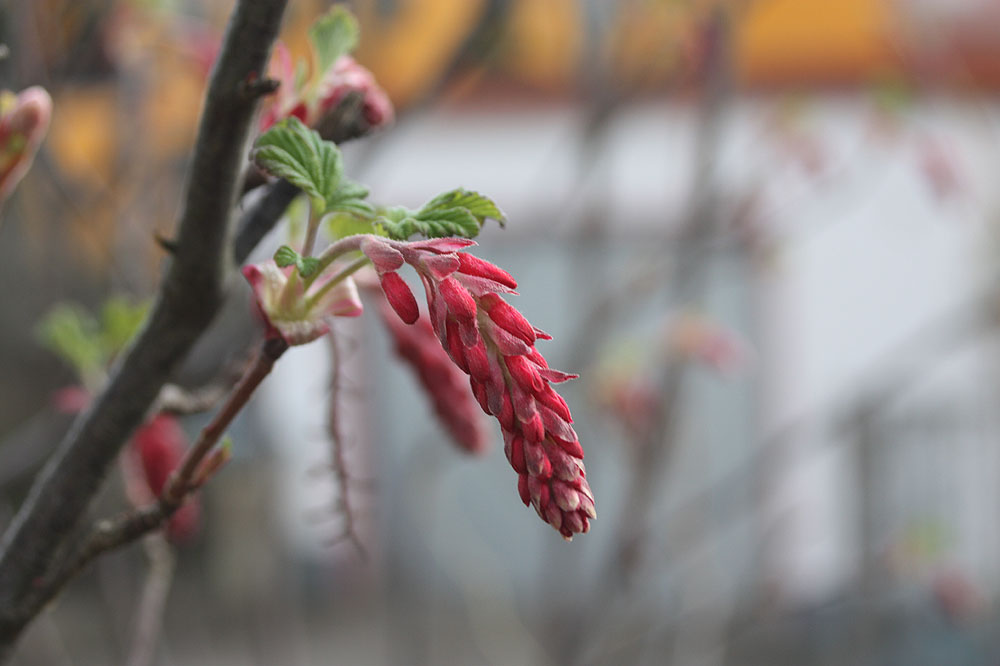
[441, 379]
[495, 345]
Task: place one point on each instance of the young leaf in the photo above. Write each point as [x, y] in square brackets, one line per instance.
[120, 319]
[333, 35]
[292, 151]
[286, 256]
[456, 213]
[448, 222]
[341, 225]
[349, 197]
[474, 202]
[296, 153]
[73, 334]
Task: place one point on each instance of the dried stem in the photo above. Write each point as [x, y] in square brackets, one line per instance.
[337, 461]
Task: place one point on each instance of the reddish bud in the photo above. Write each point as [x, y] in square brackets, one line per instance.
[453, 341]
[572, 447]
[399, 296]
[384, 257]
[533, 429]
[515, 454]
[459, 301]
[555, 402]
[522, 489]
[161, 444]
[473, 265]
[507, 317]
[479, 365]
[522, 372]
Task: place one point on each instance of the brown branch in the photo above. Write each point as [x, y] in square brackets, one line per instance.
[188, 300]
[192, 472]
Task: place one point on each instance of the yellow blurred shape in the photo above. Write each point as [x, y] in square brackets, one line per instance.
[82, 134]
[782, 41]
[170, 110]
[545, 41]
[409, 50]
[651, 40]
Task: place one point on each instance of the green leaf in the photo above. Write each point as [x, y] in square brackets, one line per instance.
[334, 34]
[286, 256]
[478, 205]
[73, 334]
[343, 224]
[456, 213]
[296, 153]
[450, 222]
[349, 197]
[120, 320]
[292, 151]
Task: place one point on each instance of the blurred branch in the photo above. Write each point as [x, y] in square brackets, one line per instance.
[687, 282]
[149, 615]
[188, 300]
[178, 400]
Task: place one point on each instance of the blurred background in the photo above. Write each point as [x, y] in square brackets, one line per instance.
[764, 232]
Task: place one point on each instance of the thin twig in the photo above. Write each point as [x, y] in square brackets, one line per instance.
[149, 615]
[337, 461]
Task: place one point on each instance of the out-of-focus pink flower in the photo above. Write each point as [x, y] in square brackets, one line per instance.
[161, 444]
[297, 313]
[443, 382]
[24, 120]
[629, 396]
[940, 168]
[703, 340]
[70, 399]
[315, 96]
[957, 596]
[495, 345]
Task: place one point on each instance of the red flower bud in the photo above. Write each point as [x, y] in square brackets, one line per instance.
[473, 265]
[399, 296]
[161, 444]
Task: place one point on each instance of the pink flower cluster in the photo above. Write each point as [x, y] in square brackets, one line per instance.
[24, 120]
[161, 444]
[443, 382]
[495, 345]
[312, 99]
